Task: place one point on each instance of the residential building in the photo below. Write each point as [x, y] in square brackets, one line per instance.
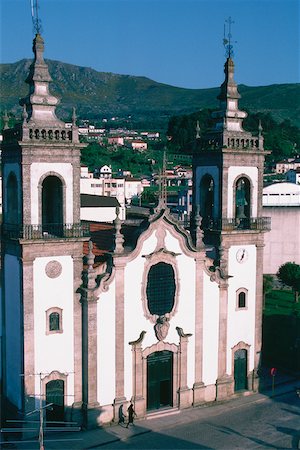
[293, 176]
[281, 202]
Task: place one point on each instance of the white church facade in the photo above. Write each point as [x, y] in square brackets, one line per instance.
[166, 317]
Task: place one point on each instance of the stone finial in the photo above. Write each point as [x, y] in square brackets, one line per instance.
[182, 334]
[198, 129]
[5, 120]
[198, 231]
[74, 117]
[91, 278]
[119, 238]
[24, 115]
[260, 128]
[139, 339]
[40, 103]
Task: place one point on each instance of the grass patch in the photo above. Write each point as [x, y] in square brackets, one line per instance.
[281, 330]
[281, 302]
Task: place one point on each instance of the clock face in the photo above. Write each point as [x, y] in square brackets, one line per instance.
[241, 255]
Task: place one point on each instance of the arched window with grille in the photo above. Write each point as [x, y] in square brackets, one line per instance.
[241, 298]
[54, 320]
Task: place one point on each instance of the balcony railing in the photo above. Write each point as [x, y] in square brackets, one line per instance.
[238, 224]
[45, 231]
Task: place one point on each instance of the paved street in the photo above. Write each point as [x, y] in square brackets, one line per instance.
[253, 422]
[267, 423]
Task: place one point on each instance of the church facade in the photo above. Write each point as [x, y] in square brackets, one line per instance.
[168, 317]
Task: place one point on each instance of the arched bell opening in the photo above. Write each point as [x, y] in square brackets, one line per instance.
[243, 202]
[207, 191]
[52, 205]
[12, 209]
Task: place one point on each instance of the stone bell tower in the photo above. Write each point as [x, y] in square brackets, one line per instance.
[42, 242]
[227, 191]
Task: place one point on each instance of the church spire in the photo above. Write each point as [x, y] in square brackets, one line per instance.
[40, 104]
[229, 117]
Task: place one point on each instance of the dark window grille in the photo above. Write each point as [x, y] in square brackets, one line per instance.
[242, 300]
[54, 322]
[161, 289]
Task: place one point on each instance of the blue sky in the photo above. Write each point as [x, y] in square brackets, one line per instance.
[177, 42]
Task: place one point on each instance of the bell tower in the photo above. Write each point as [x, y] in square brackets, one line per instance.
[42, 241]
[228, 168]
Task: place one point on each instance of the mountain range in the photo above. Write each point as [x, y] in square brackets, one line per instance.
[100, 94]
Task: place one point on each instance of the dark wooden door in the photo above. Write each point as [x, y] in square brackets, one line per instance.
[240, 370]
[159, 380]
[55, 395]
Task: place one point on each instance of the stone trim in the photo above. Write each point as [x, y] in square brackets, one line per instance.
[40, 189]
[233, 190]
[241, 346]
[241, 308]
[150, 261]
[55, 375]
[158, 347]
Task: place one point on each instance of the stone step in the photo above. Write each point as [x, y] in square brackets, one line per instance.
[162, 413]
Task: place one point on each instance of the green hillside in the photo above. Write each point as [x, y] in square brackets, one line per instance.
[100, 94]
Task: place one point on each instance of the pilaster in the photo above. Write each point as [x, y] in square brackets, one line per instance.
[184, 391]
[137, 378]
[198, 387]
[224, 383]
[258, 314]
[119, 332]
[28, 327]
[89, 359]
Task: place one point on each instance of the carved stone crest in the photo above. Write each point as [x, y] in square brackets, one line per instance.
[161, 327]
[53, 269]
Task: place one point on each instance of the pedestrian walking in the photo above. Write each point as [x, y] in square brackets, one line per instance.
[131, 414]
[121, 415]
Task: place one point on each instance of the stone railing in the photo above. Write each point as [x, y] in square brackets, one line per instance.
[238, 224]
[38, 134]
[242, 143]
[45, 231]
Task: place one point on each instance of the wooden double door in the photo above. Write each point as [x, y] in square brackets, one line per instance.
[159, 380]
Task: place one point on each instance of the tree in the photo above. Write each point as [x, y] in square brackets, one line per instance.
[289, 274]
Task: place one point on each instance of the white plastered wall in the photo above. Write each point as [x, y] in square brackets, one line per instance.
[65, 170]
[237, 172]
[135, 321]
[241, 322]
[54, 352]
[210, 330]
[106, 343]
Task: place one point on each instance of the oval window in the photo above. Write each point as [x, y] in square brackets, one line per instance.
[161, 289]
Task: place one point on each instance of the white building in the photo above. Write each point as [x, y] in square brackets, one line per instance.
[281, 202]
[163, 317]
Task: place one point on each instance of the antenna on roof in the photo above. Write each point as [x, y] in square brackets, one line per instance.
[37, 25]
[227, 42]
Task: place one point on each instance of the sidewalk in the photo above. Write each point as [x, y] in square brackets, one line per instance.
[100, 437]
